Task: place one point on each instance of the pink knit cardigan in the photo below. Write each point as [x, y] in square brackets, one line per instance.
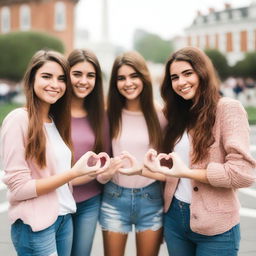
[215, 207]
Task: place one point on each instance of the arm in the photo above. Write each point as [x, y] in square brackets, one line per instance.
[237, 171]
[18, 173]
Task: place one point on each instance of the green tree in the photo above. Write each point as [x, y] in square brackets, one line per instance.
[151, 46]
[246, 67]
[220, 63]
[17, 48]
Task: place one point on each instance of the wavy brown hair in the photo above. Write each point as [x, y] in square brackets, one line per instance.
[116, 101]
[94, 102]
[197, 116]
[59, 111]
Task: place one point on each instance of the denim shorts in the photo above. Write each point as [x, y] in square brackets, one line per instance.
[124, 207]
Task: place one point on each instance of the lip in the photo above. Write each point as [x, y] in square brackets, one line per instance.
[186, 89]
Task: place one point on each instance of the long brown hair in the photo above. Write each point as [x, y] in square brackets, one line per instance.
[94, 102]
[116, 101]
[197, 116]
[59, 111]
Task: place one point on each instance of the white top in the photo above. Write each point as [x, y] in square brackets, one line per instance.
[184, 189]
[63, 163]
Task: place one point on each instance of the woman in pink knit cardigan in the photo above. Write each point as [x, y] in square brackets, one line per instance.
[208, 138]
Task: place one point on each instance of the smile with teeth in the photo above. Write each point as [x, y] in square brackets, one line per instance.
[130, 89]
[186, 89]
[52, 93]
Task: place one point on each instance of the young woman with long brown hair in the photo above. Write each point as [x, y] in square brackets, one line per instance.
[207, 141]
[89, 132]
[36, 154]
[129, 199]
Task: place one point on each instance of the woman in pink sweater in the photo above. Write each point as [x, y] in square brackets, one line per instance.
[134, 127]
[36, 154]
[209, 140]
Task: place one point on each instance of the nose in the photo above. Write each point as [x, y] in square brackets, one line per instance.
[182, 80]
[54, 83]
[83, 80]
[128, 82]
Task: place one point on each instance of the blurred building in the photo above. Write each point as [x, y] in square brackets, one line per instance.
[50, 16]
[231, 30]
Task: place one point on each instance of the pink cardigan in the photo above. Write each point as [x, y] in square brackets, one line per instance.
[215, 207]
[20, 175]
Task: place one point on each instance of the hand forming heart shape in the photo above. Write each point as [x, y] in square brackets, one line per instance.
[133, 167]
[95, 161]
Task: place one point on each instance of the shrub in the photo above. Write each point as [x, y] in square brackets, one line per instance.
[17, 48]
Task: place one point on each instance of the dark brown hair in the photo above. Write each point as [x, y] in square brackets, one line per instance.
[197, 116]
[116, 101]
[94, 102]
[59, 111]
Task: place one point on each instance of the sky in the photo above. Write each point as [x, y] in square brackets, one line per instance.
[167, 18]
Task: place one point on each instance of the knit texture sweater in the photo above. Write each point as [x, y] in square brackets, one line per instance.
[215, 206]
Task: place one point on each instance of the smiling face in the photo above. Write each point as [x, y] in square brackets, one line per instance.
[185, 80]
[129, 83]
[50, 83]
[83, 78]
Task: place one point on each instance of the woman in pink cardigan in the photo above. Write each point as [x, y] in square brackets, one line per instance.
[209, 140]
[36, 154]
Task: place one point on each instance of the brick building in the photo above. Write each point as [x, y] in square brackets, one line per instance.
[55, 17]
[231, 30]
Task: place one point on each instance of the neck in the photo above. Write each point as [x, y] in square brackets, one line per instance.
[44, 112]
[77, 107]
[133, 105]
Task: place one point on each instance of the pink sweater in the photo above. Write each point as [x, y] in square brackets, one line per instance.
[20, 175]
[215, 206]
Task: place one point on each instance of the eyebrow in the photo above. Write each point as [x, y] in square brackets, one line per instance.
[184, 71]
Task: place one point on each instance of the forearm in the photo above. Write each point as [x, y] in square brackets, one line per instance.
[153, 175]
[196, 174]
[82, 180]
[46, 185]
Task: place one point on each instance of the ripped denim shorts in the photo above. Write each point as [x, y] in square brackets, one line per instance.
[124, 207]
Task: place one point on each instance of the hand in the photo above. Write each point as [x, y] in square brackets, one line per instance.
[178, 169]
[115, 164]
[104, 160]
[134, 168]
[82, 166]
[150, 160]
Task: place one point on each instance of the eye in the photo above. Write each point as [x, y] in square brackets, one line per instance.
[76, 74]
[46, 76]
[189, 73]
[91, 75]
[174, 78]
[120, 78]
[62, 78]
[135, 75]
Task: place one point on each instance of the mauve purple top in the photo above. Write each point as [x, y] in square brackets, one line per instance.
[83, 140]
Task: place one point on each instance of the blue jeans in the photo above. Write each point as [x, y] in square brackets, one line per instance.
[52, 241]
[181, 240]
[84, 223]
[124, 207]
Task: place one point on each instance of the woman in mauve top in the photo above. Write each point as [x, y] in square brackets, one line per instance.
[130, 199]
[211, 160]
[89, 132]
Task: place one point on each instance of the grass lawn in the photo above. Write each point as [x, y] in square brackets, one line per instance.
[251, 111]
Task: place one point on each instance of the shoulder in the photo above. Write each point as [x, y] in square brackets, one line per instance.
[228, 104]
[16, 119]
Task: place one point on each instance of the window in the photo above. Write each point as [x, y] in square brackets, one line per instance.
[60, 16]
[25, 17]
[5, 20]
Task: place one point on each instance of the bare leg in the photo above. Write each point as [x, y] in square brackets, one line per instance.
[148, 242]
[114, 243]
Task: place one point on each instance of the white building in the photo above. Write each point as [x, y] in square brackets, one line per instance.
[232, 31]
